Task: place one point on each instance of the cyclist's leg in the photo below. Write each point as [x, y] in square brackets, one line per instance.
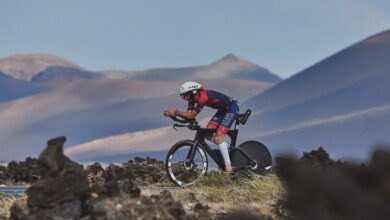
[226, 122]
[214, 123]
[222, 130]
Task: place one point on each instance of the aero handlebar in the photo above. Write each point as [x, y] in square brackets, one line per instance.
[192, 124]
[183, 120]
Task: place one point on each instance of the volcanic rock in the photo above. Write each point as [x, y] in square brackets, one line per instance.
[146, 171]
[120, 180]
[155, 207]
[63, 180]
[96, 174]
[63, 192]
[346, 191]
[3, 176]
[318, 158]
[20, 173]
[244, 215]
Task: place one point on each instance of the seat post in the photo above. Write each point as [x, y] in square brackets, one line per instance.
[237, 124]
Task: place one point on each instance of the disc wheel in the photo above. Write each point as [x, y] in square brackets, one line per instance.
[179, 170]
[257, 151]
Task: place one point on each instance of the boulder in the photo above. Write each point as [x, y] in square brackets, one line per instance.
[337, 190]
[62, 180]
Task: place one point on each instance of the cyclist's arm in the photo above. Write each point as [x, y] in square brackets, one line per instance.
[189, 114]
[192, 110]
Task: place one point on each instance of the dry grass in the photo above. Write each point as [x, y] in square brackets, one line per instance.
[220, 187]
[221, 192]
[5, 204]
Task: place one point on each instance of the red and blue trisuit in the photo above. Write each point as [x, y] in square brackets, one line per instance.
[228, 109]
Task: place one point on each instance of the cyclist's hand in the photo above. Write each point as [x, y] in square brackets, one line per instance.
[170, 112]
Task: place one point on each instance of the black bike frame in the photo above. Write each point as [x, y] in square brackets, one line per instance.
[200, 135]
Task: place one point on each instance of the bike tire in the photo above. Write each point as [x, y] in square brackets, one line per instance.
[257, 151]
[177, 172]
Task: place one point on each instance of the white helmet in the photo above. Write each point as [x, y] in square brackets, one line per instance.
[189, 86]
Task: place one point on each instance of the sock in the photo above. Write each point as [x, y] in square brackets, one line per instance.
[223, 147]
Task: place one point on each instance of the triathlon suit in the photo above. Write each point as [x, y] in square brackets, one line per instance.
[228, 109]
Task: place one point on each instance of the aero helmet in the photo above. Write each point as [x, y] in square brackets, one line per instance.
[189, 86]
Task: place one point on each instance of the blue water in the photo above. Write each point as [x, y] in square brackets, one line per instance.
[13, 190]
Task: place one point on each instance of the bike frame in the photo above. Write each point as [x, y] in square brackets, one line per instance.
[200, 136]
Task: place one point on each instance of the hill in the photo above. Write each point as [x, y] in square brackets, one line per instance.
[25, 67]
[11, 89]
[341, 101]
[230, 66]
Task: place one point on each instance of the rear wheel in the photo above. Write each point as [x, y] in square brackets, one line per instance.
[257, 151]
[181, 172]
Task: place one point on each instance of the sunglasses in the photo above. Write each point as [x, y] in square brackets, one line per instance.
[186, 96]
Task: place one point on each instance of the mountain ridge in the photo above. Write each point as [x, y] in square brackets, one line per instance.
[25, 66]
[32, 67]
[311, 81]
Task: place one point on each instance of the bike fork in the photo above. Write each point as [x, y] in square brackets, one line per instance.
[191, 153]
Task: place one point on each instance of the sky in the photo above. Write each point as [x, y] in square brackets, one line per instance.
[284, 36]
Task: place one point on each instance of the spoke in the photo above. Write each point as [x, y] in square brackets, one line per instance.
[183, 173]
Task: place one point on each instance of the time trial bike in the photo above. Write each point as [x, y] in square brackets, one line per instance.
[187, 160]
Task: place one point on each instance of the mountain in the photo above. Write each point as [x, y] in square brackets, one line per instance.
[55, 71]
[229, 66]
[341, 102]
[11, 89]
[58, 76]
[25, 67]
[358, 62]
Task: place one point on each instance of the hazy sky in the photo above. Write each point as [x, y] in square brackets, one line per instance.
[284, 36]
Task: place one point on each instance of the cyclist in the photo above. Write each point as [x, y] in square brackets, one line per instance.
[198, 97]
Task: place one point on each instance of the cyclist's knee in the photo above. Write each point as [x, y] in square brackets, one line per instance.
[219, 138]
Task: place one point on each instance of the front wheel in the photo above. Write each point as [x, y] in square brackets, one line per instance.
[179, 170]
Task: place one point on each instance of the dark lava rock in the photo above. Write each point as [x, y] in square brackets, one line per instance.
[63, 180]
[19, 210]
[244, 215]
[200, 212]
[68, 210]
[146, 171]
[17, 173]
[174, 208]
[328, 190]
[318, 158]
[199, 207]
[64, 192]
[3, 175]
[120, 180]
[143, 172]
[96, 174]
[155, 207]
